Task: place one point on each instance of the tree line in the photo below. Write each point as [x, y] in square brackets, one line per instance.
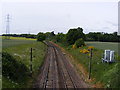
[103, 37]
[71, 36]
[21, 35]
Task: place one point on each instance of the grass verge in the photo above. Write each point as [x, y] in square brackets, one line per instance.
[103, 74]
[21, 52]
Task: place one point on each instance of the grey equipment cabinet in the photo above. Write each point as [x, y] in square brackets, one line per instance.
[108, 56]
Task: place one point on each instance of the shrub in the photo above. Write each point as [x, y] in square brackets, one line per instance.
[79, 43]
[90, 47]
[41, 36]
[74, 46]
[85, 51]
[81, 51]
[13, 69]
[74, 34]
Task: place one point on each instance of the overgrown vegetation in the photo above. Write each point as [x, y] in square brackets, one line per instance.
[41, 36]
[74, 34]
[104, 73]
[79, 42]
[16, 63]
[13, 69]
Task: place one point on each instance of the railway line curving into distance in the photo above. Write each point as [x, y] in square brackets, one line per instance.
[58, 72]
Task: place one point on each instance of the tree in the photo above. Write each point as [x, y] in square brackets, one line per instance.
[104, 37]
[74, 34]
[79, 42]
[60, 37]
[41, 36]
[93, 36]
[50, 35]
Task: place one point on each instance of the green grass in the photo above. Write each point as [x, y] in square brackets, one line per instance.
[12, 43]
[20, 50]
[102, 72]
[17, 38]
[104, 45]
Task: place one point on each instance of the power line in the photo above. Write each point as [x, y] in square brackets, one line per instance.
[8, 26]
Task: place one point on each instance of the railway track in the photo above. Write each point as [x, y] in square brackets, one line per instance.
[58, 72]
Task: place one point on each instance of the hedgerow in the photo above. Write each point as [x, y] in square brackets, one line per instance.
[13, 69]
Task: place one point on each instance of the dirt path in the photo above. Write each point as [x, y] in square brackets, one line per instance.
[58, 72]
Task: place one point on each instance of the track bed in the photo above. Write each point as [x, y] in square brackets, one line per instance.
[58, 72]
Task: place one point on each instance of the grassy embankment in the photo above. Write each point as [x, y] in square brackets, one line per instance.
[19, 48]
[103, 74]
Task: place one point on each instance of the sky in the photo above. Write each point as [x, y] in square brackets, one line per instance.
[33, 16]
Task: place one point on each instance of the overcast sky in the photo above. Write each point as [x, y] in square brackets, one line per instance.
[46, 16]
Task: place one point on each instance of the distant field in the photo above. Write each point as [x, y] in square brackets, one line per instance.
[14, 41]
[20, 50]
[18, 38]
[104, 45]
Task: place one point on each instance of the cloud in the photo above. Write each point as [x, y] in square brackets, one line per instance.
[113, 24]
[59, 0]
[60, 17]
[105, 28]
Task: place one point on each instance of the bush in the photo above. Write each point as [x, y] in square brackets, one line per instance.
[79, 42]
[85, 51]
[74, 46]
[13, 69]
[74, 34]
[90, 47]
[41, 36]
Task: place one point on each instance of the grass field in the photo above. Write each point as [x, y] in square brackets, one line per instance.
[18, 38]
[103, 74]
[20, 50]
[104, 45]
[12, 42]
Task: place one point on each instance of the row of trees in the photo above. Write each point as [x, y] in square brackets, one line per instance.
[21, 35]
[71, 36]
[104, 37]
